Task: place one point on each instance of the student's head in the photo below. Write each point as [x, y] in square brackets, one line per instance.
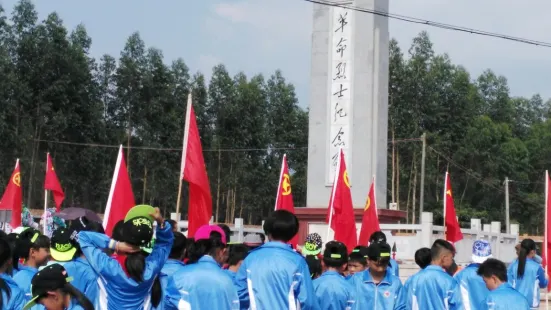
[482, 250]
[63, 245]
[356, 263]
[312, 244]
[377, 237]
[209, 240]
[335, 256]
[173, 225]
[362, 250]
[493, 272]
[281, 225]
[237, 253]
[83, 224]
[118, 231]
[527, 250]
[314, 265]
[12, 241]
[33, 247]
[423, 257]
[442, 253]
[50, 287]
[178, 246]
[452, 269]
[378, 257]
[227, 232]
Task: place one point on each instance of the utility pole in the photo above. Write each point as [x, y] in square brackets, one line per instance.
[422, 189]
[507, 224]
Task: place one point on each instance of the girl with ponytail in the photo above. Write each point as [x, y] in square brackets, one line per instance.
[11, 296]
[525, 275]
[136, 286]
[203, 284]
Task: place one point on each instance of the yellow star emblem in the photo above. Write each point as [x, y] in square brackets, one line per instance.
[286, 185]
[449, 192]
[17, 179]
[346, 180]
[367, 204]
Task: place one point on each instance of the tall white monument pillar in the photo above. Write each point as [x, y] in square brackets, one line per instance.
[349, 100]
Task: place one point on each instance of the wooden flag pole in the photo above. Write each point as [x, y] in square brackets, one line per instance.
[45, 210]
[184, 151]
[545, 240]
[280, 177]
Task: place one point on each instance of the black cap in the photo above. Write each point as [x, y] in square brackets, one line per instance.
[138, 231]
[377, 237]
[360, 249]
[378, 251]
[49, 279]
[63, 244]
[336, 251]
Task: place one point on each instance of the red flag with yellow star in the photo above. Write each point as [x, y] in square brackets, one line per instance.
[370, 219]
[340, 215]
[284, 198]
[13, 197]
[451, 225]
[51, 183]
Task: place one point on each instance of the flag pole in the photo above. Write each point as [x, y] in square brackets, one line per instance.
[280, 177]
[545, 240]
[335, 181]
[184, 153]
[45, 198]
[444, 201]
[375, 196]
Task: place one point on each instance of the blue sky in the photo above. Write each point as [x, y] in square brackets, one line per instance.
[260, 36]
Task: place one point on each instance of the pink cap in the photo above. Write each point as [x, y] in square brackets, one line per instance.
[204, 231]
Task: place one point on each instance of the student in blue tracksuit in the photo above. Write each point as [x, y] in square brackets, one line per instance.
[238, 253]
[501, 296]
[314, 266]
[11, 296]
[51, 288]
[273, 276]
[380, 237]
[473, 289]
[357, 261]
[85, 278]
[34, 248]
[139, 288]
[203, 284]
[174, 263]
[432, 288]
[332, 290]
[376, 287]
[527, 276]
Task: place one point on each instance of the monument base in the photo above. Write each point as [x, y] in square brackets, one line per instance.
[308, 216]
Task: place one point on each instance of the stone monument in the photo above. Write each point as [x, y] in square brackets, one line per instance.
[348, 109]
[349, 100]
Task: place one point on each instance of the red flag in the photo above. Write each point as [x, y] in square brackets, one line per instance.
[547, 233]
[194, 171]
[51, 182]
[340, 215]
[284, 198]
[451, 225]
[121, 197]
[13, 197]
[370, 219]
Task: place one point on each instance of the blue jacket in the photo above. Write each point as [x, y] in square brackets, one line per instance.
[431, 289]
[394, 267]
[473, 288]
[17, 298]
[529, 284]
[505, 297]
[370, 296]
[230, 273]
[85, 279]
[171, 267]
[122, 291]
[201, 286]
[333, 291]
[273, 276]
[23, 279]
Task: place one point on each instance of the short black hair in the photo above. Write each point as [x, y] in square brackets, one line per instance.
[493, 267]
[314, 265]
[117, 233]
[238, 252]
[439, 246]
[335, 254]
[377, 237]
[227, 231]
[172, 223]
[281, 225]
[356, 257]
[178, 246]
[423, 257]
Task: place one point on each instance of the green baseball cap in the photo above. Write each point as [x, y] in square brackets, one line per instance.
[140, 211]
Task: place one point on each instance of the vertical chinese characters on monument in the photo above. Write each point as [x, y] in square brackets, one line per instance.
[340, 94]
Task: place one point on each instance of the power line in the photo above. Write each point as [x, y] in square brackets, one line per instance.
[416, 20]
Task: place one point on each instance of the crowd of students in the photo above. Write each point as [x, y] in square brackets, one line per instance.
[148, 264]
